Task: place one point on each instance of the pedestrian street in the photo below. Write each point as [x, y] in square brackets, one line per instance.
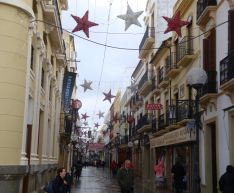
[97, 180]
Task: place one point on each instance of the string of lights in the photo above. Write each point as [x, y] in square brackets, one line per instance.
[125, 48]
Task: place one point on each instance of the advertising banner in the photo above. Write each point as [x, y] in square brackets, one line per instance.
[68, 85]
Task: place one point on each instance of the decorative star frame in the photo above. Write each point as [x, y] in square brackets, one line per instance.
[115, 118]
[85, 123]
[130, 18]
[84, 116]
[86, 85]
[96, 125]
[100, 114]
[108, 96]
[83, 23]
[175, 23]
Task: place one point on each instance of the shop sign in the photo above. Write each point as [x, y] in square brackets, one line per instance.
[178, 136]
[153, 106]
[96, 146]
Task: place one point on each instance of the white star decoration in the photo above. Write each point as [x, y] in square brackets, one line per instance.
[86, 85]
[130, 18]
[100, 114]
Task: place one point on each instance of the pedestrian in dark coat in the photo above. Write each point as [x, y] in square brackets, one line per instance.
[59, 183]
[178, 173]
[226, 182]
[125, 177]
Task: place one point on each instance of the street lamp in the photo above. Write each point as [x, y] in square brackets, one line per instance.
[197, 78]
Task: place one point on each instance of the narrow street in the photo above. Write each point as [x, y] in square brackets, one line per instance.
[97, 180]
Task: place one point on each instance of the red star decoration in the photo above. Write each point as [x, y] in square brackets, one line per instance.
[83, 23]
[175, 23]
[130, 119]
[108, 96]
[84, 116]
[96, 125]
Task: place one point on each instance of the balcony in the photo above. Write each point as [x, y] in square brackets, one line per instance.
[179, 113]
[171, 69]
[185, 52]
[154, 88]
[144, 85]
[124, 139]
[227, 75]
[205, 10]
[147, 41]
[209, 90]
[163, 82]
[135, 102]
[143, 124]
[54, 27]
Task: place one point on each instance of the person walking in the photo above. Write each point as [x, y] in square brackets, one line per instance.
[178, 173]
[226, 181]
[78, 169]
[114, 167]
[125, 177]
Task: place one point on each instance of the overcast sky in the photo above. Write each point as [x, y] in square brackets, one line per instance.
[118, 65]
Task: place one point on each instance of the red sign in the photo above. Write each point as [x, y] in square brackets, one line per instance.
[153, 106]
[96, 146]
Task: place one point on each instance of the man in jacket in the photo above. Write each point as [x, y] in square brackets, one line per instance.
[125, 177]
[59, 184]
[178, 173]
[226, 182]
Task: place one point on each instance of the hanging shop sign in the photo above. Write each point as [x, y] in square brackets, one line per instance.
[68, 85]
[174, 137]
[153, 106]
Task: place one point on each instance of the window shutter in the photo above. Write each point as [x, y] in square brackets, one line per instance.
[212, 50]
[205, 54]
[230, 30]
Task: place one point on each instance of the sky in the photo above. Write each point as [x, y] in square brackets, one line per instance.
[107, 68]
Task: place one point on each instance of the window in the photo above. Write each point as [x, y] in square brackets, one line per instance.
[32, 54]
[42, 77]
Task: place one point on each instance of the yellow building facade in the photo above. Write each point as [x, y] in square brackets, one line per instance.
[32, 65]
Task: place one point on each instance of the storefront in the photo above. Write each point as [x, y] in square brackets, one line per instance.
[174, 145]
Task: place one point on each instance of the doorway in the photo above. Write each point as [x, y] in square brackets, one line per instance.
[211, 157]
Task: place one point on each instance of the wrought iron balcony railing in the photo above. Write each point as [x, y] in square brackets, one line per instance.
[160, 75]
[150, 32]
[170, 63]
[185, 47]
[124, 139]
[142, 122]
[227, 68]
[143, 80]
[202, 4]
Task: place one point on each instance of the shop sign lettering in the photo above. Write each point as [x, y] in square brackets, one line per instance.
[173, 137]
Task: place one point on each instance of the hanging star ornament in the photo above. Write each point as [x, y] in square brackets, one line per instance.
[96, 125]
[86, 85]
[130, 18]
[175, 23]
[108, 96]
[100, 114]
[85, 123]
[83, 23]
[84, 116]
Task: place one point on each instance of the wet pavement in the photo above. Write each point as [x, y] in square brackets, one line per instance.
[97, 180]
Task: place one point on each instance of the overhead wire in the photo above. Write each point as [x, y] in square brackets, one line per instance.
[125, 48]
[104, 57]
